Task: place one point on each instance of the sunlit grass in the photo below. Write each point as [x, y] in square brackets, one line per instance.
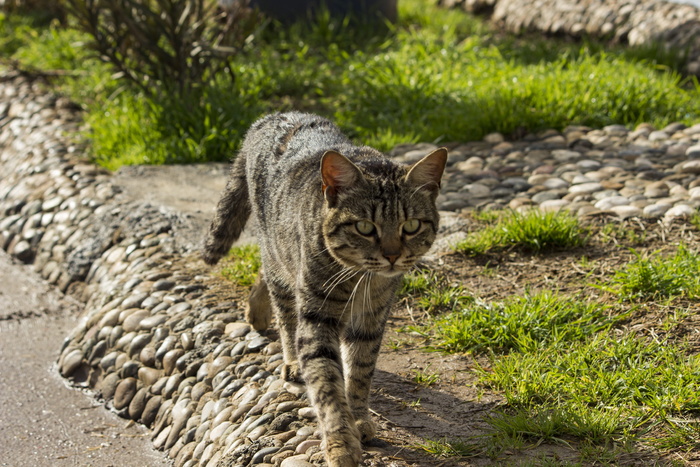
[655, 276]
[533, 231]
[525, 323]
[242, 265]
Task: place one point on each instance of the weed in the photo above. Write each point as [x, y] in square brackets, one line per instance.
[422, 378]
[450, 448]
[242, 265]
[533, 231]
[621, 233]
[432, 293]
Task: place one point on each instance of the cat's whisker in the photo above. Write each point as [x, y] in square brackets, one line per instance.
[353, 294]
[338, 274]
[339, 278]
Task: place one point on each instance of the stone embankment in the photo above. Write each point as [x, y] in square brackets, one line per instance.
[634, 22]
[161, 339]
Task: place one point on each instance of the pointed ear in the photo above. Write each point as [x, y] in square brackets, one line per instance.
[337, 173]
[427, 172]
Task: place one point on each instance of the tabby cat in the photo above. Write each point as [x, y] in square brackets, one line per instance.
[338, 226]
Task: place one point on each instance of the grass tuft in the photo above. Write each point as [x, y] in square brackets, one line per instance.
[653, 277]
[423, 378]
[523, 323]
[533, 231]
[450, 448]
[242, 265]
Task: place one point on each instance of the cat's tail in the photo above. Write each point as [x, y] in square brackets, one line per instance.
[232, 212]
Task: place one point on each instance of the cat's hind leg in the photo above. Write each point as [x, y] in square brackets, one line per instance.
[259, 310]
[284, 305]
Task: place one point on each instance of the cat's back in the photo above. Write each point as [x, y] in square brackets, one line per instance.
[291, 137]
[283, 153]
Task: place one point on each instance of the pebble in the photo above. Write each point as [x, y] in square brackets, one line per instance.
[679, 211]
[296, 461]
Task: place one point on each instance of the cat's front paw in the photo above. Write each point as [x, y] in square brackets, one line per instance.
[291, 372]
[366, 428]
[343, 450]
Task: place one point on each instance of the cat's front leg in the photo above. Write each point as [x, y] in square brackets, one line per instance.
[361, 343]
[318, 350]
[284, 305]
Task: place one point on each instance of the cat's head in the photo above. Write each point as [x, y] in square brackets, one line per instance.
[380, 216]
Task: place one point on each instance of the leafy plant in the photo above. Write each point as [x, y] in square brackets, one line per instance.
[449, 448]
[423, 378]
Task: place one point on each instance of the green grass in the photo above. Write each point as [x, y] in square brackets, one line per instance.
[532, 231]
[242, 264]
[655, 276]
[432, 293]
[449, 448]
[423, 378]
[437, 75]
[524, 323]
[607, 389]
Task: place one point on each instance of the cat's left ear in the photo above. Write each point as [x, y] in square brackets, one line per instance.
[427, 172]
[338, 173]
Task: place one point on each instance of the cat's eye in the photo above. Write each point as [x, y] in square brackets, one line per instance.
[364, 227]
[411, 226]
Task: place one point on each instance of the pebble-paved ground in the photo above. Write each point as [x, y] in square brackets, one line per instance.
[162, 340]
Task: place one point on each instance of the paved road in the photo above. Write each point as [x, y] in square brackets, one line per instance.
[43, 422]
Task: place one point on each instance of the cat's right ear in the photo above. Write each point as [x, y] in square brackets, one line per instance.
[338, 173]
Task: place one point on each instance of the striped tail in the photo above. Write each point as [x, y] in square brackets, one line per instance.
[232, 212]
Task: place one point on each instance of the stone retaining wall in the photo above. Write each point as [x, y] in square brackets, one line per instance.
[633, 22]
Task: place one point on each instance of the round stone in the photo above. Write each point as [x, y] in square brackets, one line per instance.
[554, 205]
[543, 196]
[681, 211]
[585, 188]
[555, 183]
[611, 201]
[71, 362]
[306, 445]
[690, 167]
[296, 461]
[625, 212]
[655, 211]
[126, 390]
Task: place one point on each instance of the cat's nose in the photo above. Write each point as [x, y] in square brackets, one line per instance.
[392, 257]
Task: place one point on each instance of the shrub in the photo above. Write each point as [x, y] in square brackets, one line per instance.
[165, 46]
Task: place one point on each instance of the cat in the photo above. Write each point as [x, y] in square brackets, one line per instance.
[338, 226]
